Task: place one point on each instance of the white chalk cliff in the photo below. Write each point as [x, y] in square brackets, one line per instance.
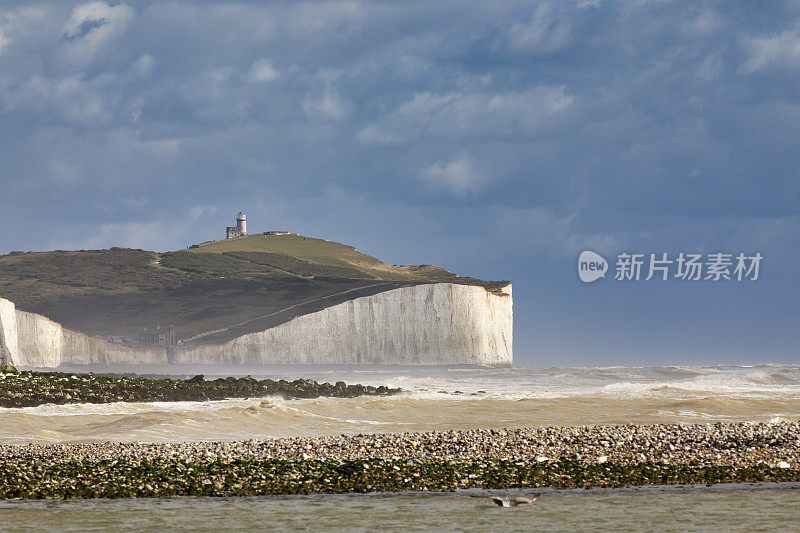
[431, 324]
[31, 340]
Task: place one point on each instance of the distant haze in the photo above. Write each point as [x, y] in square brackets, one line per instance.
[495, 139]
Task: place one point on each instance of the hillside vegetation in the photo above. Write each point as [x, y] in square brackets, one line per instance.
[229, 288]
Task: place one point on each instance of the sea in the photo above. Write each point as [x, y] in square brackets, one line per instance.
[433, 398]
[764, 507]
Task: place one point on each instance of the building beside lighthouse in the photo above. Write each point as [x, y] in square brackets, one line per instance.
[240, 229]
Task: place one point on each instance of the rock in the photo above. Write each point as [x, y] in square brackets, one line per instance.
[29, 389]
[346, 469]
[784, 464]
[9, 368]
[602, 459]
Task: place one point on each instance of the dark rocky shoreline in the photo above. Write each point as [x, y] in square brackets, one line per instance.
[29, 389]
[591, 456]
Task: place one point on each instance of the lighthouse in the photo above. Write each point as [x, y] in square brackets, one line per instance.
[240, 229]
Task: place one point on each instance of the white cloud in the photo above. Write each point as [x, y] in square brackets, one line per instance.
[90, 30]
[328, 19]
[19, 25]
[144, 65]
[546, 32]
[4, 40]
[468, 115]
[329, 75]
[67, 97]
[327, 106]
[705, 23]
[459, 176]
[263, 70]
[197, 211]
[136, 109]
[98, 15]
[375, 134]
[777, 51]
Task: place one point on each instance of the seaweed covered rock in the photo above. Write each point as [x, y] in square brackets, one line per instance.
[37, 388]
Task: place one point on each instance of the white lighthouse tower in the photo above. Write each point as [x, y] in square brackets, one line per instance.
[240, 229]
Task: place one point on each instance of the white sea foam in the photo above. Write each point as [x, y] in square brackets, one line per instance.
[621, 382]
[131, 408]
[434, 399]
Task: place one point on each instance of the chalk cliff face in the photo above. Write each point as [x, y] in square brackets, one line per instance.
[432, 324]
[8, 331]
[441, 323]
[31, 340]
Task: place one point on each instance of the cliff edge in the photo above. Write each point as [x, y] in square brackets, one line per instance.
[433, 324]
[441, 323]
[266, 298]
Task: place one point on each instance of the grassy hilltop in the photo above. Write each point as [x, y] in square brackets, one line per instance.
[213, 293]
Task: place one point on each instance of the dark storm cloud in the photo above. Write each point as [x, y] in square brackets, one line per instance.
[495, 138]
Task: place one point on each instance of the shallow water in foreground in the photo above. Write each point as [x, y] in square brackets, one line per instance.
[435, 398]
[769, 507]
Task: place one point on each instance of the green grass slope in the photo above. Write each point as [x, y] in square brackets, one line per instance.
[210, 294]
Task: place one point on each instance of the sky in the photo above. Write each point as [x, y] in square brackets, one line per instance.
[496, 139]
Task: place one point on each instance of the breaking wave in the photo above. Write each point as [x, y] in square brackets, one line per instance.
[434, 399]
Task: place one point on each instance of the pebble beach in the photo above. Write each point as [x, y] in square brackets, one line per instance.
[556, 457]
[743, 444]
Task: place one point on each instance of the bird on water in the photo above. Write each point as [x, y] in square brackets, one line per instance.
[510, 502]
